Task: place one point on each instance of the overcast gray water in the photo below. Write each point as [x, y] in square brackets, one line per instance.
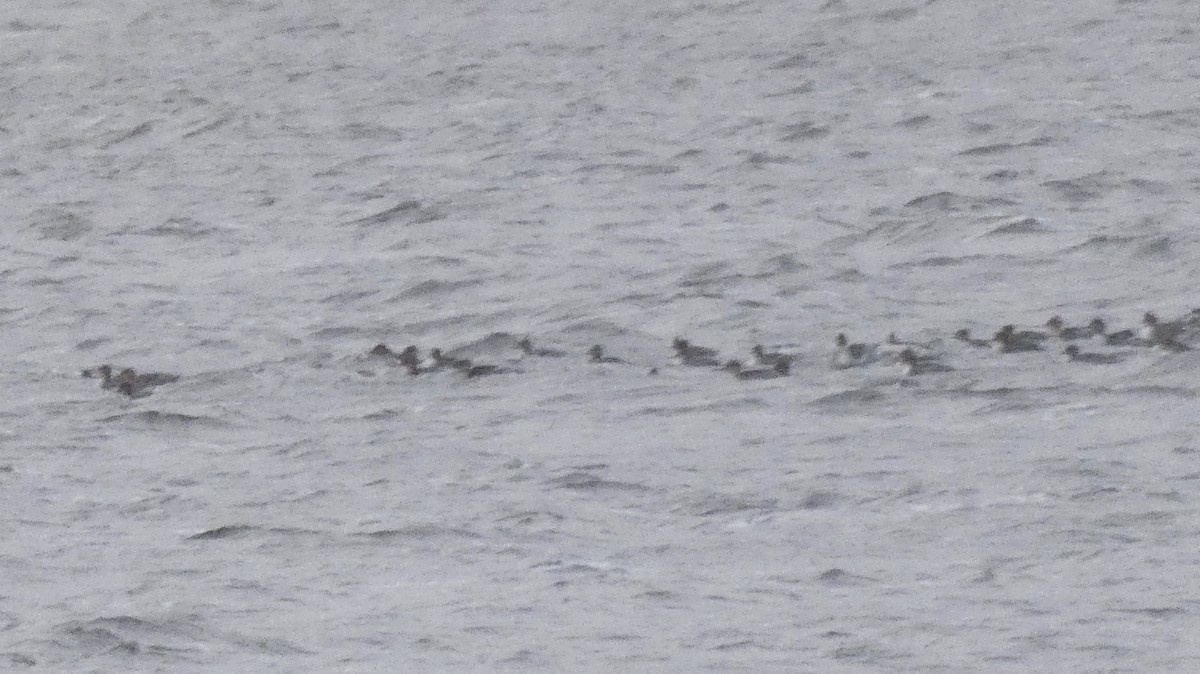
[252, 194]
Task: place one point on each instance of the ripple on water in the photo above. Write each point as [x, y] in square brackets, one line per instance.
[157, 418]
[589, 481]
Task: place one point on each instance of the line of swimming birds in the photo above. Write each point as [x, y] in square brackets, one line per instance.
[915, 358]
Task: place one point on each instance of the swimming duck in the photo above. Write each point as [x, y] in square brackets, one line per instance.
[690, 354]
[912, 364]
[770, 358]
[410, 357]
[1119, 338]
[105, 373]
[526, 347]
[111, 381]
[964, 335]
[781, 368]
[150, 378]
[893, 340]
[1074, 355]
[596, 355]
[381, 349]
[99, 372]
[1190, 319]
[1006, 340]
[1156, 331]
[1170, 343]
[851, 355]
[1065, 332]
[1025, 335]
[484, 370]
[441, 360]
[131, 388]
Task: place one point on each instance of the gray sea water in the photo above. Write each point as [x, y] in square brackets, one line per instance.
[253, 193]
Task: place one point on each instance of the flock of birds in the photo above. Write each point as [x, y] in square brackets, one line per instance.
[914, 358]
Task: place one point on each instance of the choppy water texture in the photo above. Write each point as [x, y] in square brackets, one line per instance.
[252, 194]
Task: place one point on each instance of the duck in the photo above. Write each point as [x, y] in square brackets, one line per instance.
[1074, 355]
[1162, 335]
[893, 340]
[1065, 332]
[150, 378]
[1025, 335]
[1006, 340]
[1101, 334]
[596, 355]
[770, 358]
[690, 354]
[912, 364]
[382, 350]
[105, 374]
[851, 355]
[964, 335]
[1156, 331]
[1171, 343]
[410, 357]
[526, 347]
[781, 368]
[1191, 319]
[484, 370]
[99, 372]
[110, 381]
[441, 360]
[132, 388]
[893, 346]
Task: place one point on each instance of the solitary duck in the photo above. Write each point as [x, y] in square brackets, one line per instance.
[596, 355]
[781, 368]
[1074, 355]
[690, 354]
[850, 355]
[128, 374]
[526, 347]
[912, 364]
[964, 335]
[1065, 332]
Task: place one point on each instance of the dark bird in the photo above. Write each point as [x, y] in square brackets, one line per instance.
[781, 368]
[528, 349]
[769, 358]
[964, 335]
[690, 354]
[596, 355]
[1074, 355]
[851, 354]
